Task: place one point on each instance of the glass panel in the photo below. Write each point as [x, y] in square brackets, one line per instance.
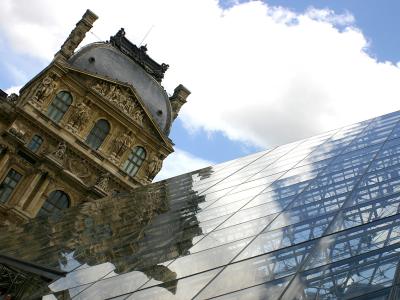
[134, 161]
[56, 201]
[8, 185]
[266, 291]
[257, 270]
[184, 288]
[98, 134]
[35, 143]
[349, 278]
[59, 106]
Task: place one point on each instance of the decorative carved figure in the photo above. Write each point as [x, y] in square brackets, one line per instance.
[154, 166]
[118, 97]
[79, 117]
[13, 98]
[44, 90]
[121, 144]
[61, 150]
[138, 117]
[102, 182]
[79, 167]
[100, 87]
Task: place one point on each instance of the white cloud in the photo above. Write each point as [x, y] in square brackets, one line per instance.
[180, 162]
[327, 15]
[13, 89]
[260, 74]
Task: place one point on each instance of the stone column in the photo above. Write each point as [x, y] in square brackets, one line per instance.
[35, 204]
[178, 99]
[3, 163]
[76, 36]
[28, 190]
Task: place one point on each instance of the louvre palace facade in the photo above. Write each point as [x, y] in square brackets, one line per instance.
[94, 122]
[315, 219]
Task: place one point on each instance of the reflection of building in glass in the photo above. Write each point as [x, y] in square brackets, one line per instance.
[314, 219]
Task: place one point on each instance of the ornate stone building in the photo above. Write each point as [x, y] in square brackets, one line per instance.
[93, 123]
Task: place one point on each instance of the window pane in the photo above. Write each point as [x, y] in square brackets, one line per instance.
[134, 161]
[56, 201]
[59, 106]
[35, 143]
[98, 134]
[8, 185]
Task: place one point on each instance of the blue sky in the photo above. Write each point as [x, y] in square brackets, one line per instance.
[268, 63]
[378, 20]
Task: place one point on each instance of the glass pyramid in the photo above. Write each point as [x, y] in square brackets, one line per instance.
[314, 219]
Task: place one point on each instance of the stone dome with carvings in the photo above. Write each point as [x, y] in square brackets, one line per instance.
[121, 60]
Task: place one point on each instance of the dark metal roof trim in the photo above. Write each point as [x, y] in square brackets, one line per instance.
[139, 55]
[47, 273]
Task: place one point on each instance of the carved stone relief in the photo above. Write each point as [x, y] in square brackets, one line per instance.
[121, 99]
[103, 182]
[154, 166]
[138, 117]
[120, 145]
[45, 89]
[60, 151]
[20, 131]
[79, 116]
[79, 167]
[13, 98]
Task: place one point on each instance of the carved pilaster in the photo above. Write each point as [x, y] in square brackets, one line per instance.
[76, 36]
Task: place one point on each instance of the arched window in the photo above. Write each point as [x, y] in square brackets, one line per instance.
[56, 201]
[98, 134]
[134, 161]
[35, 143]
[59, 106]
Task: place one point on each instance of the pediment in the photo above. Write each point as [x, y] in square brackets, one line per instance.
[124, 99]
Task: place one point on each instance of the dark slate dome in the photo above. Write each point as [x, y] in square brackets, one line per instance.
[137, 69]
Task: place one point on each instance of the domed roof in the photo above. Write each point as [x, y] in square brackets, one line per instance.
[107, 60]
